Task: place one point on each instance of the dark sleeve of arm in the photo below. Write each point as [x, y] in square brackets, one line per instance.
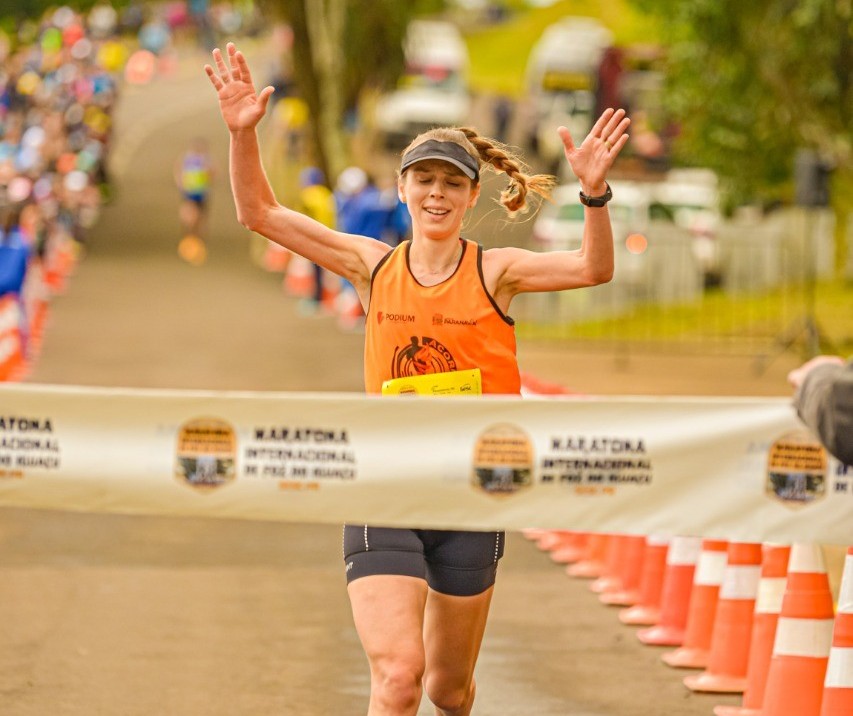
[824, 403]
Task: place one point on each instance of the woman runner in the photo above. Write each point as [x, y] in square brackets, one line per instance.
[435, 303]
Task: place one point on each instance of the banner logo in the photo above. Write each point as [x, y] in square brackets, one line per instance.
[206, 453]
[796, 469]
[503, 460]
[423, 355]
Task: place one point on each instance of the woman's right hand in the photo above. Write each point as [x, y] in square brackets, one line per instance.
[241, 107]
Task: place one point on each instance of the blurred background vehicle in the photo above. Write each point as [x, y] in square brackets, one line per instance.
[562, 81]
[691, 198]
[433, 90]
[653, 253]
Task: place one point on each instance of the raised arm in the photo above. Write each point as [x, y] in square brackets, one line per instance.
[515, 270]
[352, 257]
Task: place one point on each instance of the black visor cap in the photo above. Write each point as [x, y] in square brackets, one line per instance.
[445, 151]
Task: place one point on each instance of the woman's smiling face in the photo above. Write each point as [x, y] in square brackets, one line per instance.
[437, 194]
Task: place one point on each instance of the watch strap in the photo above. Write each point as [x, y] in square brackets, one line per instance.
[596, 201]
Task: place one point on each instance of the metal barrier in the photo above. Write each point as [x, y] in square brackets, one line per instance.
[770, 274]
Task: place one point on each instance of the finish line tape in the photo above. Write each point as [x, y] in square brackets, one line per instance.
[732, 468]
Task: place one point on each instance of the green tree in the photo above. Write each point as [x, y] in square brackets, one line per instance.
[341, 47]
[751, 82]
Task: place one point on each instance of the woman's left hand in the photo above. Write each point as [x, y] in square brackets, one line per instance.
[592, 160]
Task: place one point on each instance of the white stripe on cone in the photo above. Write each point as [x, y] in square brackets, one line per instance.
[684, 551]
[803, 637]
[839, 671]
[806, 558]
[771, 591]
[710, 569]
[740, 581]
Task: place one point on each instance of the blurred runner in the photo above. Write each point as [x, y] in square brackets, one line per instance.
[194, 176]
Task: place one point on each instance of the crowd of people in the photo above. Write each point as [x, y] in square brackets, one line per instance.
[60, 77]
[58, 88]
[356, 205]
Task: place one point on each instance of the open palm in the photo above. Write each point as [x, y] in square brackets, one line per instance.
[240, 105]
[591, 160]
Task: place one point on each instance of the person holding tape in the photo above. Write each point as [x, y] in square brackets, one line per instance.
[435, 304]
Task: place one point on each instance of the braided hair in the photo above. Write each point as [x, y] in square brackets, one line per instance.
[500, 158]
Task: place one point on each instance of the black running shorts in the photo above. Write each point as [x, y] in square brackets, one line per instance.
[452, 562]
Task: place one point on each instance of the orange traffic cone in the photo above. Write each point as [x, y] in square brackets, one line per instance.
[591, 564]
[329, 289]
[647, 608]
[564, 546]
[729, 656]
[681, 560]
[12, 352]
[610, 579]
[838, 687]
[572, 549]
[551, 539]
[803, 638]
[275, 258]
[531, 385]
[711, 566]
[630, 574]
[350, 311]
[532, 533]
[768, 604]
[299, 277]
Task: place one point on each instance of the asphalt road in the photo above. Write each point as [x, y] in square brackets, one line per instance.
[108, 614]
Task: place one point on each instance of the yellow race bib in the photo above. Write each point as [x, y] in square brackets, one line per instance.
[455, 382]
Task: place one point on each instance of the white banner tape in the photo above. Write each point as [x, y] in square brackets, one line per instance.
[738, 469]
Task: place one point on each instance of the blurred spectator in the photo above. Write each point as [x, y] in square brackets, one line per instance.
[366, 210]
[317, 201]
[824, 402]
[57, 93]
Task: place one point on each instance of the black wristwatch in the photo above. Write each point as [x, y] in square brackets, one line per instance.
[597, 201]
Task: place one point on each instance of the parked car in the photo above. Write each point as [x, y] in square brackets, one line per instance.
[691, 197]
[559, 225]
[653, 255]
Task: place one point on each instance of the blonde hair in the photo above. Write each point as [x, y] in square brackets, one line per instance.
[500, 158]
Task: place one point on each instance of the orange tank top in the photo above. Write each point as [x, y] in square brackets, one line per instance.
[413, 329]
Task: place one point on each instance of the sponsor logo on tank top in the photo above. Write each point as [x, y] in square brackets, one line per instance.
[395, 317]
[439, 320]
[421, 356]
